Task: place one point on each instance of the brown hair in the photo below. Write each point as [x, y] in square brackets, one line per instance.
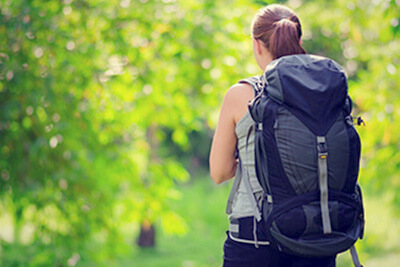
[279, 29]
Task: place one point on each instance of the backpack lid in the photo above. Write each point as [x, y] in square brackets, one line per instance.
[313, 88]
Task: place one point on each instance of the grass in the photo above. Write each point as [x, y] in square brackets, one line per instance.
[203, 207]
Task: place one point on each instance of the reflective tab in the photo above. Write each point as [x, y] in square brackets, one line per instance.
[234, 227]
[323, 183]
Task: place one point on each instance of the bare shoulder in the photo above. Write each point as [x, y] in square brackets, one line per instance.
[237, 98]
[240, 91]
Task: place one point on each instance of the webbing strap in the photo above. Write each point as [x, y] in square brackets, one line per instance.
[354, 256]
[248, 241]
[323, 183]
[252, 198]
[246, 179]
[235, 187]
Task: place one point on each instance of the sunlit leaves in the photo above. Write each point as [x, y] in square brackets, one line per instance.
[173, 223]
[93, 93]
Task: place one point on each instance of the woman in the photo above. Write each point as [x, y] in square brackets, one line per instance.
[276, 32]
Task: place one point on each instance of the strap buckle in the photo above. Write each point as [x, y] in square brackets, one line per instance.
[322, 147]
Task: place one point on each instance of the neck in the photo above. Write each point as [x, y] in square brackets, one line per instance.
[265, 61]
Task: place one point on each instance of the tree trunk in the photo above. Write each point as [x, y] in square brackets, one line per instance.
[147, 231]
[17, 224]
[147, 235]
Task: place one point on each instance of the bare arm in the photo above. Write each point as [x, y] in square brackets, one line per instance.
[222, 156]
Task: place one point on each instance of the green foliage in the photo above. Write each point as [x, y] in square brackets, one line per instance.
[98, 100]
[88, 90]
[202, 246]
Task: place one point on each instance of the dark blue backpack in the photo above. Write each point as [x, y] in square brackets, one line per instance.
[307, 155]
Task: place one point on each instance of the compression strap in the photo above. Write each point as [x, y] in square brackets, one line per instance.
[323, 183]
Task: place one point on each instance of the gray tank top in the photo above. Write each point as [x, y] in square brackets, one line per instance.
[239, 204]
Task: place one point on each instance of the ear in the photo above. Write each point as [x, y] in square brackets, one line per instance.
[257, 46]
[301, 41]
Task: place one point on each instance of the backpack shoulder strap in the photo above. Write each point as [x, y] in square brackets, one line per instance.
[255, 82]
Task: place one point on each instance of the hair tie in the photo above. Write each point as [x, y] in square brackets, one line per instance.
[282, 20]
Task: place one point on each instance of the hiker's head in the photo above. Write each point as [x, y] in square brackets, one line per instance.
[276, 28]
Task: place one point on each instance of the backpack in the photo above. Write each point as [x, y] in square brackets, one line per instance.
[307, 155]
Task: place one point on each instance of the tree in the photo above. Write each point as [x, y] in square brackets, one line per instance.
[88, 90]
[91, 91]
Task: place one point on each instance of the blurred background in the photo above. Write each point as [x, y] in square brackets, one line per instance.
[107, 111]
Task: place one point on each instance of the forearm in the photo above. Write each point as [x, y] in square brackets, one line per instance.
[221, 172]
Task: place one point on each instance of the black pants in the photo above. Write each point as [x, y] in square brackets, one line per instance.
[238, 254]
